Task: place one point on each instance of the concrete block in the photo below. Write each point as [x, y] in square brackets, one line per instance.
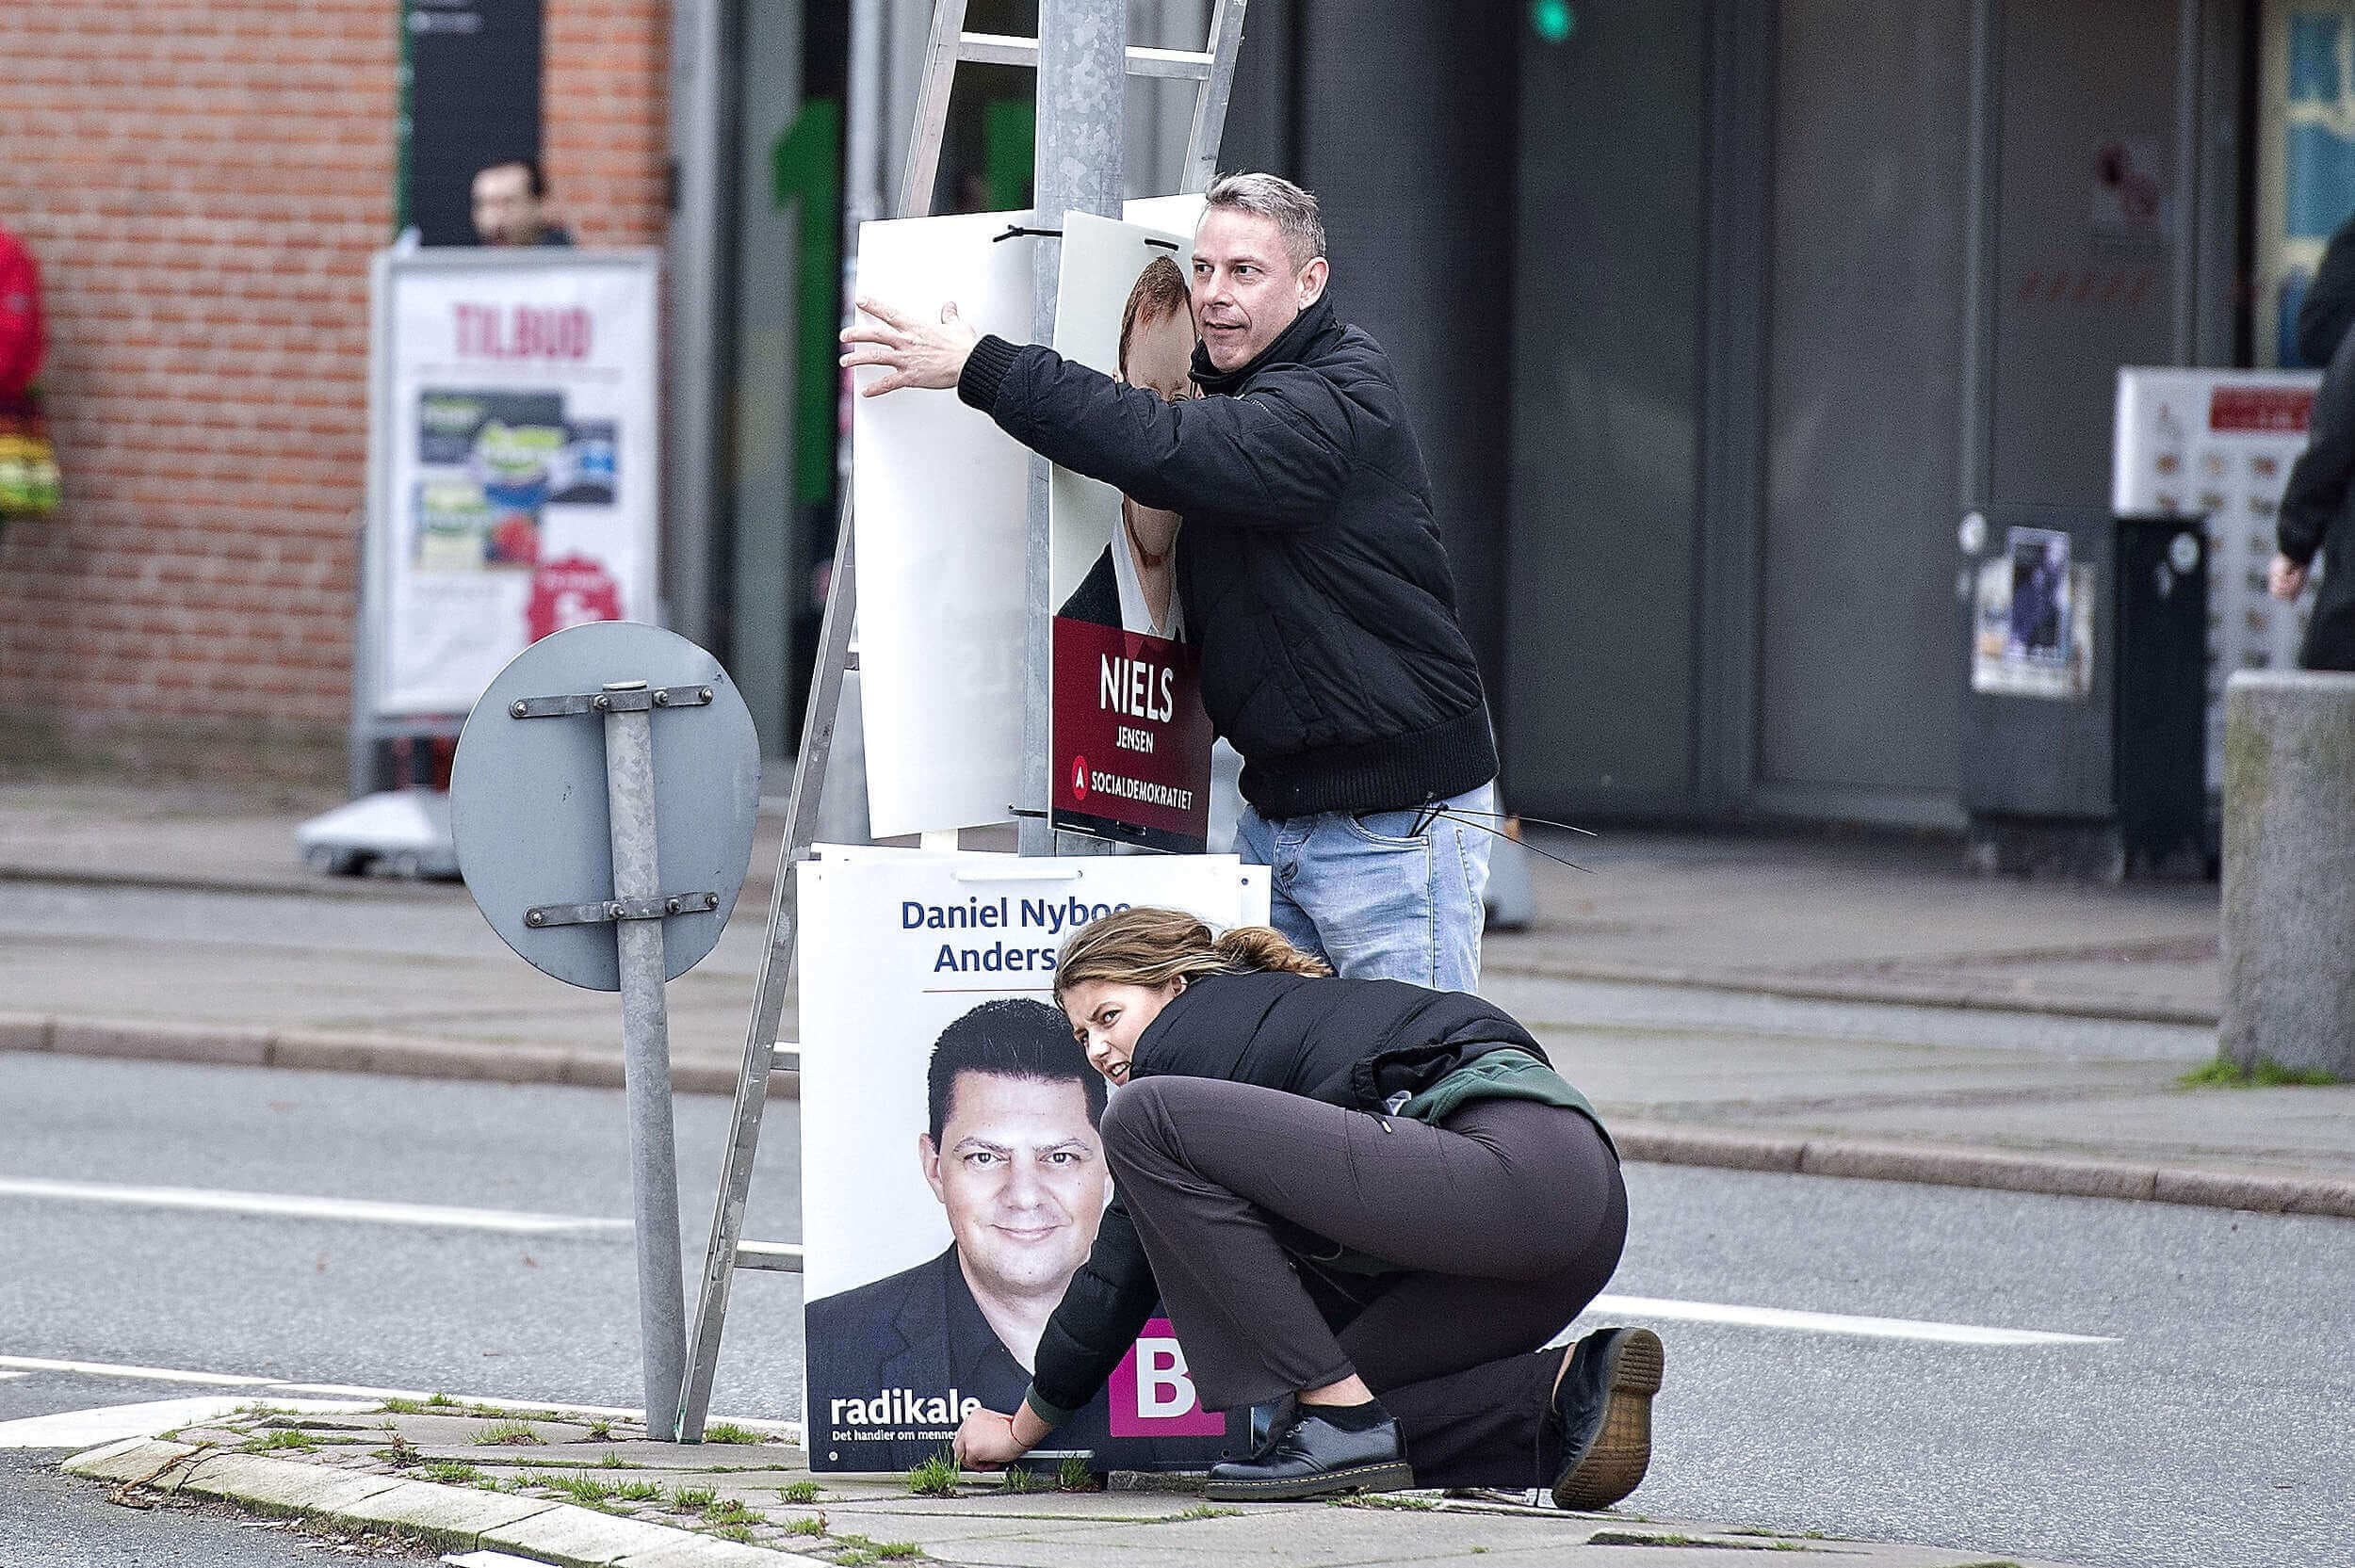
[454, 1515]
[284, 1486]
[132, 1458]
[2000, 1171]
[23, 1032]
[1725, 1151]
[581, 1538]
[2289, 869]
[153, 1041]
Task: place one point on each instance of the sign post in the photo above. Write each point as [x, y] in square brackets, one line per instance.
[662, 869]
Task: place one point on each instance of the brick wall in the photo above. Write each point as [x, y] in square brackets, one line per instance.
[203, 181]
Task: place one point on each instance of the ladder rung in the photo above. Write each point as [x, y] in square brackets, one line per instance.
[784, 1056]
[1189, 65]
[783, 1257]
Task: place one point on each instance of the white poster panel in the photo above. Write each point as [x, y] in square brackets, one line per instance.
[2219, 443]
[514, 480]
[941, 502]
[941, 499]
[931, 1263]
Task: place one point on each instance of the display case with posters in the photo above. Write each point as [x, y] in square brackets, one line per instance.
[953, 1179]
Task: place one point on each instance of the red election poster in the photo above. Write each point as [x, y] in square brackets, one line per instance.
[1130, 745]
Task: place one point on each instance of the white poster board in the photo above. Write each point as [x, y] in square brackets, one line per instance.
[514, 471]
[2219, 443]
[896, 947]
[941, 502]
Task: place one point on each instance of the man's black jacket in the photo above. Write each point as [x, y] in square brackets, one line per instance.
[1352, 1044]
[1309, 564]
[2318, 514]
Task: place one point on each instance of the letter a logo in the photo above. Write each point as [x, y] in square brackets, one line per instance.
[1078, 778]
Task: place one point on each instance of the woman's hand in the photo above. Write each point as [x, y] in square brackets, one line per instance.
[917, 353]
[986, 1441]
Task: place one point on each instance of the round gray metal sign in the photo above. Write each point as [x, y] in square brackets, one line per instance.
[527, 800]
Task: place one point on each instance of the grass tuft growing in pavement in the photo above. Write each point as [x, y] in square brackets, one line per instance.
[450, 1472]
[936, 1477]
[517, 1433]
[601, 1430]
[638, 1491]
[1201, 1511]
[403, 1407]
[730, 1512]
[727, 1431]
[281, 1437]
[800, 1492]
[2224, 1073]
[741, 1534]
[807, 1527]
[1021, 1477]
[439, 1400]
[582, 1488]
[612, 1461]
[1073, 1475]
[692, 1499]
[1385, 1499]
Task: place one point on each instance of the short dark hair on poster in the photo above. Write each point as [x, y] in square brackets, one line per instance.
[1009, 1037]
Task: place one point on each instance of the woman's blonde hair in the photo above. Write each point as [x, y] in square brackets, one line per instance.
[1153, 946]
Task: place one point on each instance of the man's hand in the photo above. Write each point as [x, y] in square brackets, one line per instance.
[985, 1441]
[2285, 578]
[918, 353]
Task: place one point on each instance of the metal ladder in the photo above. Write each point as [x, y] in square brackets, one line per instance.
[1213, 69]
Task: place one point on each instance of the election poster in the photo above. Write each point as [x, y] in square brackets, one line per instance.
[2217, 444]
[1129, 746]
[953, 1175]
[514, 462]
[2033, 627]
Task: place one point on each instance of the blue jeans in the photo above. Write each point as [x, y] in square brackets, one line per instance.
[1373, 900]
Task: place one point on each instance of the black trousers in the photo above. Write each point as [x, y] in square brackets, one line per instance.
[1502, 1223]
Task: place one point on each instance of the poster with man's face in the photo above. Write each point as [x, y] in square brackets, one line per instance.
[1130, 745]
[954, 1172]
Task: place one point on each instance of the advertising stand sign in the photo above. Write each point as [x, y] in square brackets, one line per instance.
[953, 1179]
[2219, 444]
[514, 463]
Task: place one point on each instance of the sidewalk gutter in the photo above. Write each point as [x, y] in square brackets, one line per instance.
[321, 1050]
[1865, 990]
[1997, 1170]
[1652, 1143]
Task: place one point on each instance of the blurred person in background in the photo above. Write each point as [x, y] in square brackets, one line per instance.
[509, 205]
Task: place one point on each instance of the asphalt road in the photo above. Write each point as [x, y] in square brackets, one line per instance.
[2210, 1432]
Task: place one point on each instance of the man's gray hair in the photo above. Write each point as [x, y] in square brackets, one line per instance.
[1270, 196]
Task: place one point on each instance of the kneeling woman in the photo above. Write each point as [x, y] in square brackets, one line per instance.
[1367, 1204]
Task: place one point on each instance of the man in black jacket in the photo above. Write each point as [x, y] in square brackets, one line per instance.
[2319, 518]
[1309, 568]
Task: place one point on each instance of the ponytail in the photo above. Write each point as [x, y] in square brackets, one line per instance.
[1153, 947]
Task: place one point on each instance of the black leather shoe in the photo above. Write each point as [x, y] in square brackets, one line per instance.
[1603, 1410]
[1313, 1458]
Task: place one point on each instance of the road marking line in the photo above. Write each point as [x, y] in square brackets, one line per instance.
[292, 1206]
[18, 1365]
[1831, 1322]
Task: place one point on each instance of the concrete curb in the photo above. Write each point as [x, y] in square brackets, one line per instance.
[457, 1518]
[1862, 991]
[1996, 1170]
[1653, 1143]
[323, 1050]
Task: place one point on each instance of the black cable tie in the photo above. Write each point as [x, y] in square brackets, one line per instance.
[1169, 245]
[1015, 230]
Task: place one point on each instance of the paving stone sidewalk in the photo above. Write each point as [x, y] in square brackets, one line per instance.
[560, 1487]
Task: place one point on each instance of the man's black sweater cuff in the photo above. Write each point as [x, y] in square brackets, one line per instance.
[985, 371]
